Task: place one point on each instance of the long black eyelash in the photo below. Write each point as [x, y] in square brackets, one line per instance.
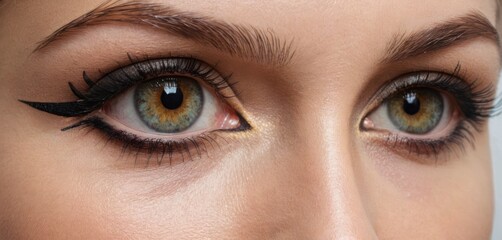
[477, 104]
[123, 78]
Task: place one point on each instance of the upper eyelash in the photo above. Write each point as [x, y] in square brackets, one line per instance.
[477, 103]
[122, 78]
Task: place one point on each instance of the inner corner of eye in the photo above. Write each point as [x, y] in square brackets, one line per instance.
[230, 120]
[367, 124]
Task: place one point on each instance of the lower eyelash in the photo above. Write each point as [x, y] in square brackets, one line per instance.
[453, 143]
[186, 149]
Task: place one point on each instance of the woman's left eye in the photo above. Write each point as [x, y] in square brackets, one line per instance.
[428, 112]
[174, 106]
[417, 112]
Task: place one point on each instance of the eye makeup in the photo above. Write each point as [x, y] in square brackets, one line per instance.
[123, 78]
[181, 71]
[471, 104]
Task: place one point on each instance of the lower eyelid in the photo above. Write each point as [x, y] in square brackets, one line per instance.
[426, 150]
[447, 123]
[117, 125]
[170, 151]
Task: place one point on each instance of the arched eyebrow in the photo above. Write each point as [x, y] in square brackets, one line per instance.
[440, 36]
[247, 42]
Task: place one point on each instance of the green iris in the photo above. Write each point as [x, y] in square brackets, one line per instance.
[416, 111]
[170, 104]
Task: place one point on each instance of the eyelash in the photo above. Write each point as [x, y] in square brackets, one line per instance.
[476, 106]
[122, 79]
[185, 148]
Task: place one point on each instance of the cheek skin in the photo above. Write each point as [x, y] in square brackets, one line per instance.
[430, 195]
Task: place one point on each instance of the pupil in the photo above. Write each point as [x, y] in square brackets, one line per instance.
[172, 97]
[411, 104]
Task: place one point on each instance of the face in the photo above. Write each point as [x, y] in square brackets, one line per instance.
[246, 120]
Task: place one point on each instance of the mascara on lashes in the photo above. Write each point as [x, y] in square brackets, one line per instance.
[475, 103]
[123, 78]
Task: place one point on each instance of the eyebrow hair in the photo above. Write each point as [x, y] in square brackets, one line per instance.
[443, 35]
[247, 42]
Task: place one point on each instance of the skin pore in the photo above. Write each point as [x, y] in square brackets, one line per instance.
[311, 165]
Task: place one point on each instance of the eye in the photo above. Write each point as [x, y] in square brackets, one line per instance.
[172, 106]
[428, 113]
[415, 111]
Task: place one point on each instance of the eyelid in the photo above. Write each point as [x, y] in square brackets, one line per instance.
[434, 79]
[127, 76]
[122, 78]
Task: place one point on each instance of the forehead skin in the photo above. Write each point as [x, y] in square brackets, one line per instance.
[302, 176]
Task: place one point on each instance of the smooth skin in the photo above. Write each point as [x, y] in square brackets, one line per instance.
[305, 170]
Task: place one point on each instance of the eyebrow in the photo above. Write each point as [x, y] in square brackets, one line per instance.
[440, 36]
[246, 42]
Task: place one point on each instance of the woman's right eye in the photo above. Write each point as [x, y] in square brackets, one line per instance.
[167, 106]
[170, 106]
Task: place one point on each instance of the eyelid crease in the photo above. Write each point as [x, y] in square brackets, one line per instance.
[423, 78]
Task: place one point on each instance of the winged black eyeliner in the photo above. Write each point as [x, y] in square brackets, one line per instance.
[125, 77]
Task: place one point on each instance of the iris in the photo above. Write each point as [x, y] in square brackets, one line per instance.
[416, 111]
[169, 104]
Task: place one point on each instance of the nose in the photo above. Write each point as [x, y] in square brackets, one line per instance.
[340, 211]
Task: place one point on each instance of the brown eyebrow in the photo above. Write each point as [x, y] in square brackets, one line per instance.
[446, 34]
[262, 46]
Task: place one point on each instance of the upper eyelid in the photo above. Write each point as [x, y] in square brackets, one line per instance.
[141, 70]
[125, 77]
[422, 76]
